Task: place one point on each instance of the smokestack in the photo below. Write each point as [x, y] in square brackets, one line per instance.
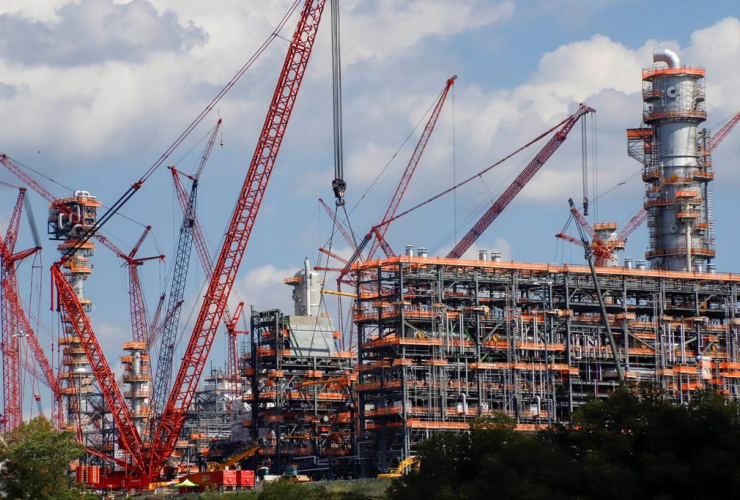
[495, 256]
[629, 263]
[423, 252]
[409, 250]
[483, 255]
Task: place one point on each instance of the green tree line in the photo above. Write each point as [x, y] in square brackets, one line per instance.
[635, 444]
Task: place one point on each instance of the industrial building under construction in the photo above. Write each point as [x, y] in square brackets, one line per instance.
[432, 343]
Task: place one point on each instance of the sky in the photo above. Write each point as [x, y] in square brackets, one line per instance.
[93, 91]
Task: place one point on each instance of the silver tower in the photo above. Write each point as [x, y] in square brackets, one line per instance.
[677, 167]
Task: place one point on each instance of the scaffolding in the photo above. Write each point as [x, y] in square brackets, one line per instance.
[443, 342]
[676, 166]
[301, 396]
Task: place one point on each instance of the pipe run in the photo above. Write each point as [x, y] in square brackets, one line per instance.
[667, 56]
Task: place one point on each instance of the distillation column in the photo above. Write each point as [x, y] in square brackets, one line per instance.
[676, 173]
[69, 218]
[138, 377]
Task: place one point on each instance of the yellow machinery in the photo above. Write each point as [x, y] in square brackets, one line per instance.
[235, 458]
[403, 467]
[291, 474]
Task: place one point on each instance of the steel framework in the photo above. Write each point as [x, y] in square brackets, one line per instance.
[450, 340]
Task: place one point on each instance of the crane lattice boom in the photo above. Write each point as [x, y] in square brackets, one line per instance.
[716, 139]
[12, 397]
[69, 301]
[403, 183]
[521, 180]
[237, 235]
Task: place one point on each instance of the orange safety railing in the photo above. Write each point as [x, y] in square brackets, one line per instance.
[653, 71]
[394, 262]
[661, 115]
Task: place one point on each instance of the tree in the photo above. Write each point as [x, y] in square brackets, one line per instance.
[34, 461]
[633, 444]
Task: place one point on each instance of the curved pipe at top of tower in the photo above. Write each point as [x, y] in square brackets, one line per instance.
[667, 56]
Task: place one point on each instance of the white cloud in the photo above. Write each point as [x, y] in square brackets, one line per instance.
[264, 288]
[93, 32]
[394, 27]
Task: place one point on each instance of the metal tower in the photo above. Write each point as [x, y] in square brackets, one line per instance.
[677, 168]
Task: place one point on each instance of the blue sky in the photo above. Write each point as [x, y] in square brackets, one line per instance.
[93, 91]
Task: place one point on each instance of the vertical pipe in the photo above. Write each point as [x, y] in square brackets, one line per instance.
[689, 267]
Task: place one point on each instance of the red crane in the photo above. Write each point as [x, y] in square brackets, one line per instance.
[10, 289]
[603, 250]
[717, 138]
[47, 195]
[237, 235]
[30, 181]
[11, 327]
[403, 183]
[105, 377]
[137, 306]
[68, 299]
[521, 180]
[15, 319]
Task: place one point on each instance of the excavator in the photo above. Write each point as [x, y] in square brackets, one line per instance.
[403, 467]
[235, 458]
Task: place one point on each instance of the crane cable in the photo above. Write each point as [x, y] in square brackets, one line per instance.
[395, 154]
[473, 177]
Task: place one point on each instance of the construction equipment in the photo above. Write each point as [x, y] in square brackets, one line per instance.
[403, 183]
[588, 254]
[406, 465]
[37, 398]
[552, 145]
[179, 278]
[378, 231]
[291, 474]
[235, 458]
[70, 303]
[140, 324]
[149, 464]
[338, 185]
[14, 323]
[603, 249]
[518, 184]
[237, 237]
[199, 241]
[717, 138]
